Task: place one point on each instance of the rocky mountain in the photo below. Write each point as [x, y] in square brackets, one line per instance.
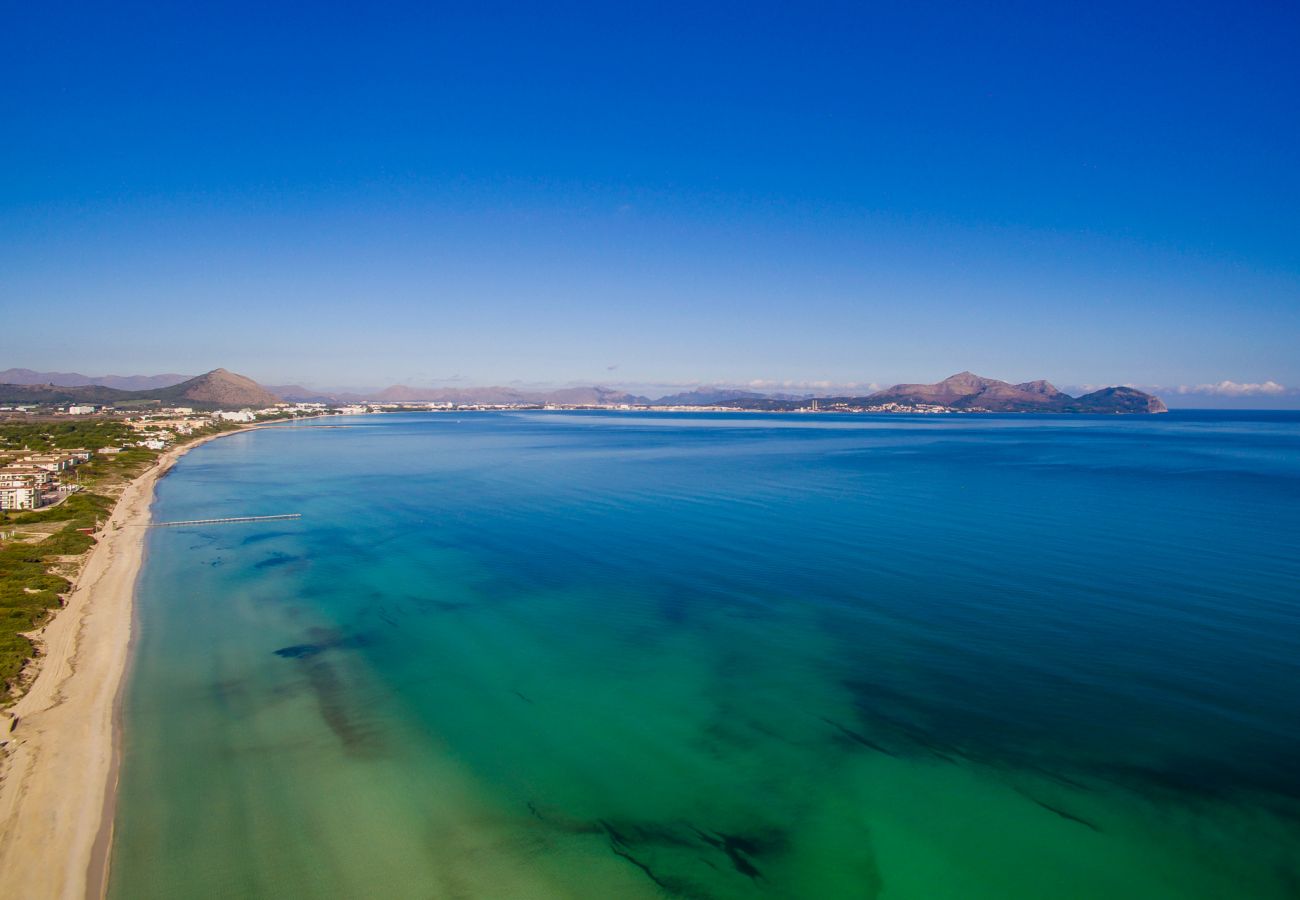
[53, 393]
[967, 390]
[708, 396]
[963, 391]
[74, 379]
[296, 393]
[218, 389]
[1116, 400]
[593, 396]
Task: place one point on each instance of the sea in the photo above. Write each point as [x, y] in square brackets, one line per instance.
[625, 654]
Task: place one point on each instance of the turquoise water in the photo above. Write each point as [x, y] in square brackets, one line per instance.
[633, 655]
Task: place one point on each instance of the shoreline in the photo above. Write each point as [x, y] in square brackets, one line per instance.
[58, 783]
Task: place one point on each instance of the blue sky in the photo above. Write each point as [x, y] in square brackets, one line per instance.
[337, 194]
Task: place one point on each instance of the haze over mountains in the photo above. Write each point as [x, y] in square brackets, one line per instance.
[74, 379]
[223, 389]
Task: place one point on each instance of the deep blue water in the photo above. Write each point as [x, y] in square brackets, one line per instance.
[624, 654]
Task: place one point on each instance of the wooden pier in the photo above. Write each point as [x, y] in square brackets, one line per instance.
[229, 520]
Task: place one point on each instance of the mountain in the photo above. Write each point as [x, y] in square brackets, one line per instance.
[217, 389]
[577, 396]
[296, 393]
[1117, 400]
[592, 396]
[967, 390]
[74, 379]
[55, 394]
[222, 389]
[708, 396]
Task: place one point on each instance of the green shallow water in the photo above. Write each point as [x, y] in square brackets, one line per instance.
[721, 656]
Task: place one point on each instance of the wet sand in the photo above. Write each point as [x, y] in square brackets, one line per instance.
[58, 773]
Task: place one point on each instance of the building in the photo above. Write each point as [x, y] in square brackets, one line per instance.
[23, 474]
[82, 410]
[23, 487]
[244, 415]
[19, 496]
[51, 462]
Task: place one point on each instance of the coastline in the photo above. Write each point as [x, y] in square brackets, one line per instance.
[58, 783]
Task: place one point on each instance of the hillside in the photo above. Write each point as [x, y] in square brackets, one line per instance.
[967, 390]
[75, 379]
[218, 389]
[52, 393]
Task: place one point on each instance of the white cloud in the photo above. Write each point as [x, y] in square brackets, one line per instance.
[1235, 389]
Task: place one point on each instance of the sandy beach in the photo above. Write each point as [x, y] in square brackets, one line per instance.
[58, 774]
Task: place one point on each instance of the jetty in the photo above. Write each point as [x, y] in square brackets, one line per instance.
[228, 520]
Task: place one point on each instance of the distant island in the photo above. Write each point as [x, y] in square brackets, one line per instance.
[219, 389]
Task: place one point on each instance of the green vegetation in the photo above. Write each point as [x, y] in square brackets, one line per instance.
[89, 433]
[28, 589]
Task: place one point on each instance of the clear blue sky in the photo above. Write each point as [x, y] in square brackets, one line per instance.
[623, 193]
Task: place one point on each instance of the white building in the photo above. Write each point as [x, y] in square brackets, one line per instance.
[51, 462]
[81, 410]
[11, 476]
[244, 415]
[19, 497]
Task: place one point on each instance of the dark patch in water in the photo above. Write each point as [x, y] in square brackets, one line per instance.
[735, 847]
[299, 651]
[330, 691]
[326, 639]
[643, 867]
[278, 559]
[559, 822]
[521, 696]
[445, 605]
[857, 738]
[1071, 817]
[263, 536]
[673, 608]
[619, 845]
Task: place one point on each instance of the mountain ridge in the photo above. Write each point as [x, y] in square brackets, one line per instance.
[76, 379]
[964, 391]
[218, 389]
